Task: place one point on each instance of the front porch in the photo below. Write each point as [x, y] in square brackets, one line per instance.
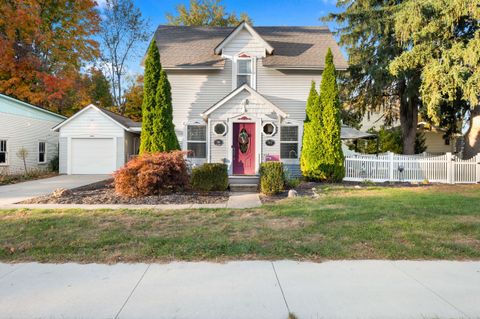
[243, 130]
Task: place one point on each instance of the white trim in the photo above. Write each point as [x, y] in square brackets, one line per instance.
[307, 68]
[45, 152]
[298, 124]
[186, 140]
[252, 74]
[7, 162]
[274, 128]
[244, 25]
[235, 93]
[219, 122]
[31, 106]
[91, 106]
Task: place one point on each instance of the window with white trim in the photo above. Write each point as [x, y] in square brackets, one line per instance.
[197, 141]
[244, 71]
[289, 142]
[3, 152]
[42, 152]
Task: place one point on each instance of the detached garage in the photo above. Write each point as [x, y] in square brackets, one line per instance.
[96, 141]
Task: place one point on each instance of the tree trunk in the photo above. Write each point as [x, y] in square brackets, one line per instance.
[408, 121]
[472, 137]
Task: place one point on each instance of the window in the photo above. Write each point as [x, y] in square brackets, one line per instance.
[3, 152]
[42, 154]
[220, 129]
[244, 72]
[289, 142]
[269, 129]
[197, 141]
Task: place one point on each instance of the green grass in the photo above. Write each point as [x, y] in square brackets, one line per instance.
[435, 222]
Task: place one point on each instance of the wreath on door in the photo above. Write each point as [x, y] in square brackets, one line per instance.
[243, 141]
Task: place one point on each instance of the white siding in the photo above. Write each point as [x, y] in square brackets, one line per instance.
[288, 90]
[91, 123]
[193, 92]
[218, 154]
[26, 132]
[234, 107]
[244, 42]
[436, 144]
[62, 156]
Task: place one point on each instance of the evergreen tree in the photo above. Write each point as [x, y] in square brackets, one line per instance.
[311, 147]
[331, 163]
[165, 138]
[151, 79]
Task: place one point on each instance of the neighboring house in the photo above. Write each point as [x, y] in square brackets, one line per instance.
[239, 94]
[23, 125]
[434, 141]
[96, 141]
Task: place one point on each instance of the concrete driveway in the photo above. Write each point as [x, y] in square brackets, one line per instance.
[11, 194]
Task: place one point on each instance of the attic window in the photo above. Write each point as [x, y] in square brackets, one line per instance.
[244, 71]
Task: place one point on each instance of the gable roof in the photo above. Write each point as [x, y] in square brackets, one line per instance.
[189, 47]
[243, 26]
[33, 107]
[122, 121]
[231, 95]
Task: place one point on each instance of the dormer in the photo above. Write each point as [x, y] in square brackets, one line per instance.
[243, 46]
[244, 39]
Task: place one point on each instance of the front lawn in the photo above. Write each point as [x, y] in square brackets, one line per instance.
[434, 222]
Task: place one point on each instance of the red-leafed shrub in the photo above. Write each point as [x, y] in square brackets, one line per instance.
[152, 174]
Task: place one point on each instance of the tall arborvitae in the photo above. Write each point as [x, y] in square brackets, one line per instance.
[165, 138]
[151, 78]
[331, 163]
[311, 143]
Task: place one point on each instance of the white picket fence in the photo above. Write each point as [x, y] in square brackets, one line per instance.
[390, 167]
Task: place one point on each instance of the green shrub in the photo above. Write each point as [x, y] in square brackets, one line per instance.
[210, 177]
[272, 178]
[53, 165]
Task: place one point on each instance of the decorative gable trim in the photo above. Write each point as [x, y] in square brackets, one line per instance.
[234, 93]
[233, 34]
[91, 106]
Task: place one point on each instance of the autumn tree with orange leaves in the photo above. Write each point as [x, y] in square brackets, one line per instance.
[43, 46]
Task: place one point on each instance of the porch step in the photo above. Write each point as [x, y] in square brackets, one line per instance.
[244, 188]
[244, 179]
[244, 183]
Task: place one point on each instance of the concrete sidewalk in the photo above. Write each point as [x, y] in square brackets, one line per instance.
[235, 201]
[250, 289]
[10, 194]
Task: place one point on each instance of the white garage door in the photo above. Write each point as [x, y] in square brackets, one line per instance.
[93, 156]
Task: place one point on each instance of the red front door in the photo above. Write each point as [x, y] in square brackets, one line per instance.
[244, 148]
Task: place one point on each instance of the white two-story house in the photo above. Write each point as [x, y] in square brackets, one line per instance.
[239, 94]
[239, 97]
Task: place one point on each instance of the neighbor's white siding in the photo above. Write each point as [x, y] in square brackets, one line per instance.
[244, 43]
[62, 146]
[20, 131]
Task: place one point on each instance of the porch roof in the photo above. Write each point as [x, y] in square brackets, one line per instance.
[254, 93]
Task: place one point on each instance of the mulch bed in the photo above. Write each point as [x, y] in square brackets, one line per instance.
[104, 193]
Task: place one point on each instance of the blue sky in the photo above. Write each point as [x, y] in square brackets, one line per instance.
[262, 12]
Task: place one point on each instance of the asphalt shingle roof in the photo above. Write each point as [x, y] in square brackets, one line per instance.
[125, 121]
[301, 47]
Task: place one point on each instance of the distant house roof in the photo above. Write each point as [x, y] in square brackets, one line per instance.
[124, 122]
[186, 47]
[29, 106]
